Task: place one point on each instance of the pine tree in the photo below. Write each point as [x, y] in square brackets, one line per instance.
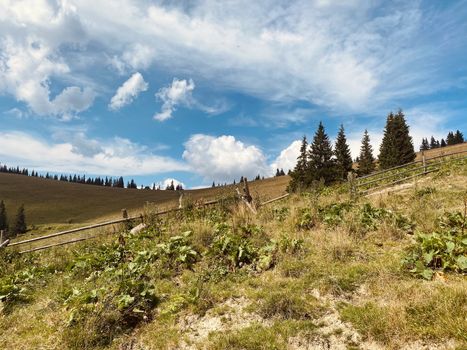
[459, 137]
[443, 143]
[298, 175]
[366, 163]
[321, 165]
[342, 153]
[450, 139]
[387, 151]
[425, 145]
[397, 146]
[3, 218]
[433, 143]
[19, 225]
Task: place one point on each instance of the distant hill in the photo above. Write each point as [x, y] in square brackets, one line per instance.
[55, 202]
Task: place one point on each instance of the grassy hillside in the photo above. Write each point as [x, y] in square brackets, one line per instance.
[313, 271]
[55, 202]
[443, 150]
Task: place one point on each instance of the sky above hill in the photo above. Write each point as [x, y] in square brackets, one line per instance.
[206, 90]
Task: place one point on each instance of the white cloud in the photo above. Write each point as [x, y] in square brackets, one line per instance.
[25, 72]
[117, 156]
[325, 52]
[178, 93]
[288, 157]
[223, 158]
[129, 91]
[163, 184]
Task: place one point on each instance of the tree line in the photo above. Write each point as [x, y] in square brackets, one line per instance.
[117, 182]
[19, 224]
[320, 161]
[453, 138]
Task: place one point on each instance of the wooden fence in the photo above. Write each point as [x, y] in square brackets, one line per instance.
[365, 185]
[245, 197]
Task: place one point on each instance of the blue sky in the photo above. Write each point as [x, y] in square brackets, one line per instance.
[207, 90]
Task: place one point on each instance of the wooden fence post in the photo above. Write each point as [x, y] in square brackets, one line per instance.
[424, 162]
[246, 191]
[247, 198]
[1, 236]
[351, 179]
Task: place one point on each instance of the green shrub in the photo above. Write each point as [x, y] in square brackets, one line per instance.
[332, 214]
[178, 251]
[444, 249]
[307, 219]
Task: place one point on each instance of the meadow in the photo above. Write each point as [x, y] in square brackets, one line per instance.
[316, 270]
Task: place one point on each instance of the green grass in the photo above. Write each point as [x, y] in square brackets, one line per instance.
[224, 278]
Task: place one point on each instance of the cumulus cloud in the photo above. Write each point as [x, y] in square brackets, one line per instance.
[25, 72]
[177, 93]
[129, 91]
[223, 158]
[117, 156]
[163, 184]
[288, 157]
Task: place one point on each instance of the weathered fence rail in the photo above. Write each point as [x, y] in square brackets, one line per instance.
[376, 180]
[246, 197]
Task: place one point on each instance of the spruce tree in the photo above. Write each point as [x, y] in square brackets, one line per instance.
[443, 143]
[425, 145]
[450, 139]
[433, 143]
[397, 146]
[342, 153]
[366, 161]
[321, 165]
[459, 137]
[298, 175]
[19, 225]
[3, 218]
[387, 151]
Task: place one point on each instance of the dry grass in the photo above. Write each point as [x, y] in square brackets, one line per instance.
[330, 283]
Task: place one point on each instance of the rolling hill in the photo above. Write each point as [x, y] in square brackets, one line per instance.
[56, 202]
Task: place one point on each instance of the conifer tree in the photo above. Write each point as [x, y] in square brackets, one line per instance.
[443, 143]
[450, 139]
[459, 137]
[321, 165]
[397, 146]
[425, 145]
[19, 225]
[3, 218]
[342, 153]
[434, 143]
[366, 161]
[299, 173]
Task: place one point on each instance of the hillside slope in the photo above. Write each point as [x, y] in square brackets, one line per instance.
[55, 202]
[317, 270]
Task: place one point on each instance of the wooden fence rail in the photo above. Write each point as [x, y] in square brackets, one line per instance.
[112, 222]
[427, 166]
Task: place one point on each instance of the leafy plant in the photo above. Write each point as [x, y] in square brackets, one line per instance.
[444, 249]
[178, 250]
[307, 219]
[280, 214]
[15, 288]
[332, 214]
